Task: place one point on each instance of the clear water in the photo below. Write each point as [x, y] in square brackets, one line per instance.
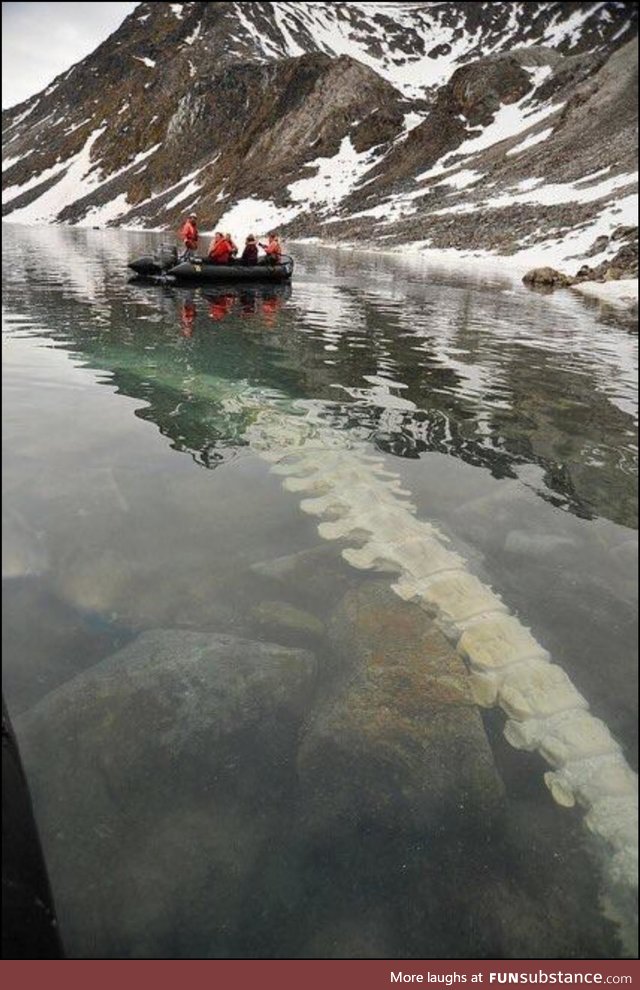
[135, 500]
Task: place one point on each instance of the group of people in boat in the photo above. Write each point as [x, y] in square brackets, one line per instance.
[224, 251]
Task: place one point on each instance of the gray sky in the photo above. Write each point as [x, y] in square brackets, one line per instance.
[40, 40]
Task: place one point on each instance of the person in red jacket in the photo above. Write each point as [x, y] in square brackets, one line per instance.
[219, 250]
[273, 249]
[189, 235]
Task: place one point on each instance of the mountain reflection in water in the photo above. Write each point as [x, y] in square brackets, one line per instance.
[414, 366]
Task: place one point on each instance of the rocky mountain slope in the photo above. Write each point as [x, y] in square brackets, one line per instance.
[502, 127]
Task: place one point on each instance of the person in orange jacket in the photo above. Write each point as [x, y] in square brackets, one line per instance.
[189, 235]
[233, 247]
[219, 250]
[273, 249]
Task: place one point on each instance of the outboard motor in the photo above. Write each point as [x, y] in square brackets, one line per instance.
[167, 256]
[164, 259]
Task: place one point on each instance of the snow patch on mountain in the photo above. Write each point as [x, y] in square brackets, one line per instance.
[531, 141]
[255, 216]
[193, 37]
[73, 184]
[335, 177]
[509, 121]
[12, 192]
[77, 178]
[9, 162]
[189, 192]
[560, 192]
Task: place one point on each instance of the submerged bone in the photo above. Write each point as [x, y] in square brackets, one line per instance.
[422, 558]
[536, 690]
[308, 483]
[484, 688]
[324, 505]
[412, 589]
[414, 555]
[615, 820]
[371, 557]
[459, 596]
[498, 641]
[372, 516]
[508, 665]
[532, 689]
[562, 738]
[587, 780]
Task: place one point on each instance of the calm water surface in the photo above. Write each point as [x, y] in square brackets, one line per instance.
[135, 500]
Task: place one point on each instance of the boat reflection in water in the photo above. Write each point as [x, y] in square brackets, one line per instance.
[261, 301]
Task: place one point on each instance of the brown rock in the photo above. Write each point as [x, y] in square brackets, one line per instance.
[547, 276]
[400, 742]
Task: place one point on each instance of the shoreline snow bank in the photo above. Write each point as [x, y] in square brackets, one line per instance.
[623, 292]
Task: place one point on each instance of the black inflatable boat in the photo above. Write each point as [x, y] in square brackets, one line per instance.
[29, 926]
[166, 267]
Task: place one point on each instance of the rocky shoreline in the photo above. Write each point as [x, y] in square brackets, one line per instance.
[622, 266]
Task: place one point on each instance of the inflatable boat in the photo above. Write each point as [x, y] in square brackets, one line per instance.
[166, 267]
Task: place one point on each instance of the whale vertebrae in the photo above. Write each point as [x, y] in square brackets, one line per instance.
[361, 502]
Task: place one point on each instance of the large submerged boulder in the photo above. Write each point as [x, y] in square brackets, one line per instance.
[399, 742]
[156, 779]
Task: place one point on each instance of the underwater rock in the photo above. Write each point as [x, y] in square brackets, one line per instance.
[399, 742]
[156, 777]
[317, 575]
[283, 617]
[293, 565]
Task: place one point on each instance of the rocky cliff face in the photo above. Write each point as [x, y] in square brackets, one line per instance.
[358, 121]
